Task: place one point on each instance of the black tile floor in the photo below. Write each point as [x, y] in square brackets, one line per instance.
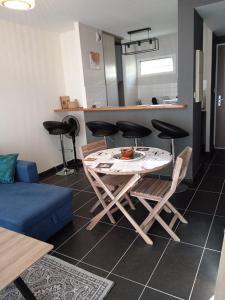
[166, 270]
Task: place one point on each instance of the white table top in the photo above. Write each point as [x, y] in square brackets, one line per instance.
[154, 159]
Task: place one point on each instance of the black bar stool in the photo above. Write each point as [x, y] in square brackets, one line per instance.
[102, 129]
[169, 132]
[74, 129]
[132, 130]
[59, 128]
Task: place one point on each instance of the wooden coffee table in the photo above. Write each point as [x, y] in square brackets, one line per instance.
[17, 253]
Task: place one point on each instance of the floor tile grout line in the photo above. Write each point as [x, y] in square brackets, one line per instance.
[122, 256]
[72, 235]
[150, 234]
[60, 177]
[175, 230]
[154, 269]
[213, 250]
[101, 239]
[168, 294]
[190, 295]
[88, 201]
[115, 274]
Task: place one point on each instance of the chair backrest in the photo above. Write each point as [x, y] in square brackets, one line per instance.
[92, 147]
[181, 167]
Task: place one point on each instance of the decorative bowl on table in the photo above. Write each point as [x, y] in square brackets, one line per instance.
[128, 154]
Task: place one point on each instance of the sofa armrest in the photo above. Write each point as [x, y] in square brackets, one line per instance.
[26, 171]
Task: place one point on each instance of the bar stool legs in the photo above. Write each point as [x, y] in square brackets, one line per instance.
[65, 171]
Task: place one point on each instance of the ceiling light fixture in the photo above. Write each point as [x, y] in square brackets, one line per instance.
[140, 46]
[18, 4]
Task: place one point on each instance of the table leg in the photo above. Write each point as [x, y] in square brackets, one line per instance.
[24, 290]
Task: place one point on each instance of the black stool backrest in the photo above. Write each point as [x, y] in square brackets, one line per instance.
[169, 129]
[97, 126]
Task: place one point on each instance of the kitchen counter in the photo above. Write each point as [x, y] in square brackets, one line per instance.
[121, 108]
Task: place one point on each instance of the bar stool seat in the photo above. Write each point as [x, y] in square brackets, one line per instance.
[60, 129]
[102, 129]
[132, 130]
[56, 128]
[169, 131]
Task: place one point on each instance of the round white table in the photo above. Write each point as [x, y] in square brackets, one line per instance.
[154, 159]
[103, 162]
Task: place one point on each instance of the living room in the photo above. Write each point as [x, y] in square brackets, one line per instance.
[112, 164]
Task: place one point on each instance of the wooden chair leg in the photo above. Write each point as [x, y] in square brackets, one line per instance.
[135, 225]
[95, 206]
[129, 201]
[146, 225]
[167, 209]
[122, 191]
[173, 209]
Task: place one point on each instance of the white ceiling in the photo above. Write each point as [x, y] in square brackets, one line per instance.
[115, 16]
[213, 15]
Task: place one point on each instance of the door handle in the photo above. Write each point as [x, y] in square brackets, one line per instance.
[220, 99]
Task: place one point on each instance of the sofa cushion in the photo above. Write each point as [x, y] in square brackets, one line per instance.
[24, 205]
[7, 168]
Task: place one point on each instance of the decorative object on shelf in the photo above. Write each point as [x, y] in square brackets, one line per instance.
[65, 100]
[94, 58]
[18, 4]
[149, 44]
[74, 104]
[154, 101]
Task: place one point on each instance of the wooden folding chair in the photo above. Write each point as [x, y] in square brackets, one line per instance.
[112, 182]
[160, 190]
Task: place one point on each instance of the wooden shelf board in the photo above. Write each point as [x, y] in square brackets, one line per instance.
[116, 108]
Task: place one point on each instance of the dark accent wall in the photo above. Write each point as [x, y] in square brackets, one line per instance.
[190, 35]
[220, 39]
[213, 86]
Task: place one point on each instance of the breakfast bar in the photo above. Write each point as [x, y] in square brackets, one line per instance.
[175, 114]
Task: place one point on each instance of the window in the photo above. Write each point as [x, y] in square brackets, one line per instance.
[157, 66]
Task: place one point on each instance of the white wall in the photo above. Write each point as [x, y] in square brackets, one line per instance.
[162, 84]
[74, 77]
[31, 77]
[94, 80]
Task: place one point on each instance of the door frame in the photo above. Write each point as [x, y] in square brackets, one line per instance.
[216, 94]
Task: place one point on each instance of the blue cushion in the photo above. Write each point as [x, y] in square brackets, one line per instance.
[7, 168]
[24, 207]
[26, 171]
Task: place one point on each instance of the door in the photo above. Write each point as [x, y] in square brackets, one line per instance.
[220, 94]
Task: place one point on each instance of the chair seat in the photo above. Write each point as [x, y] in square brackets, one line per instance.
[151, 189]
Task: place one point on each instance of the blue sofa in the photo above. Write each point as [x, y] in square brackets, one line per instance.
[34, 209]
